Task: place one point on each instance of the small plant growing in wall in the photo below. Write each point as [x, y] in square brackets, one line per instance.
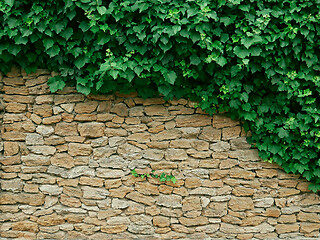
[162, 177]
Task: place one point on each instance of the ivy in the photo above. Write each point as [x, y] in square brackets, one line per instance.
[257, 60]
[162, 177]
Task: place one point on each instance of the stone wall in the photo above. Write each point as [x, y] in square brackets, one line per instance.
[66, 161]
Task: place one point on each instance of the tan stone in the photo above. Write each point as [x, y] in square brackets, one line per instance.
[241, 173]
[16, 90]
[44, 110]
[267, 173]
[218, 174]
[112, 183]
[231, 133]
[252, 221]
[16, 107]
[139, 137]
[25, 226]
[138, 197]
[10, 148]
[66, 129]
[309, 227]
[85, 117]
[121, 192]
[191, 204]
[241, 203]
[285, 192]
[243, 191]
[77, 149]
[165, 189]
[222, 121]
[193, 221]
[31, 188]
[69, 98]
[74, 218]
[68, 182]
[69, 201]
[229, 163]
[231, 219]
[62, 160]
[158, 145]
[120, 109]
[72, 191]
[93, 129]
[14, 136]
[166, 135]
[52, 120]
[156, 110]
[272, 212]
[308, 217]
[24, 198]
[95, 182]
[104, 214]
[287, 228]
[147, 188]
[193, 120]
[111, 229]
[18, 98]
[303, 186]
[160, 221]
[193, 182]
[287, 218]
[86, 107]
[10, 160]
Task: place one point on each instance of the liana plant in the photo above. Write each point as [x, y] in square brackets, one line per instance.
[162, 177]
[258, 60]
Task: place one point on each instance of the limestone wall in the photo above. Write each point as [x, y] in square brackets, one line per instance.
[66, 161]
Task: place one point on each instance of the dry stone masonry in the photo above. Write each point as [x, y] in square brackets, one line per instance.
[66, 161]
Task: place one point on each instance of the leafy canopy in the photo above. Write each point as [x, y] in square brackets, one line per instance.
[256, 59]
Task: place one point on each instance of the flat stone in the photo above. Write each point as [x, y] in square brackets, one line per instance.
[92, 129]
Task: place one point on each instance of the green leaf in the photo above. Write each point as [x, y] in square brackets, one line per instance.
[53, 51]
[9, 2]
[171, 77]
[83, 89]
[48, 43]
[102, 10]
[240, 52]
[194, 59]
[283, 133]
[80, 61]
[56, 83]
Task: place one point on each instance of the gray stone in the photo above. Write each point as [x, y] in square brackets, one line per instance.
[94, 193]
[34, 139]
[45, 130]
[130, 152]
[141, 229]
[62, 172]
[44, 150]
[103, 152]
[220, 146]
[51, 189]
[14, 185]
[173, 201]
[118, 221]
[80, 171]
[35, 160]
[119, 204]
[99, 142]
[203, 191]
[263, 202]
[113, 162]
[108, 173]
[116, 141]
[153, 154]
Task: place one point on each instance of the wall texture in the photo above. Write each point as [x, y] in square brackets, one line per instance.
[66, 160]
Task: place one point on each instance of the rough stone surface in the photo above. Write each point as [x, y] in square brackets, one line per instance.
[65, 163]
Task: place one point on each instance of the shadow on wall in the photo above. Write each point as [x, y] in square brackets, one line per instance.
[66, 162]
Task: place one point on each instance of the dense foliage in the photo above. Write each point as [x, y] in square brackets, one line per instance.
[256, 59]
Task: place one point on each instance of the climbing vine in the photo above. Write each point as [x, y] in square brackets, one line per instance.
[256, 59]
